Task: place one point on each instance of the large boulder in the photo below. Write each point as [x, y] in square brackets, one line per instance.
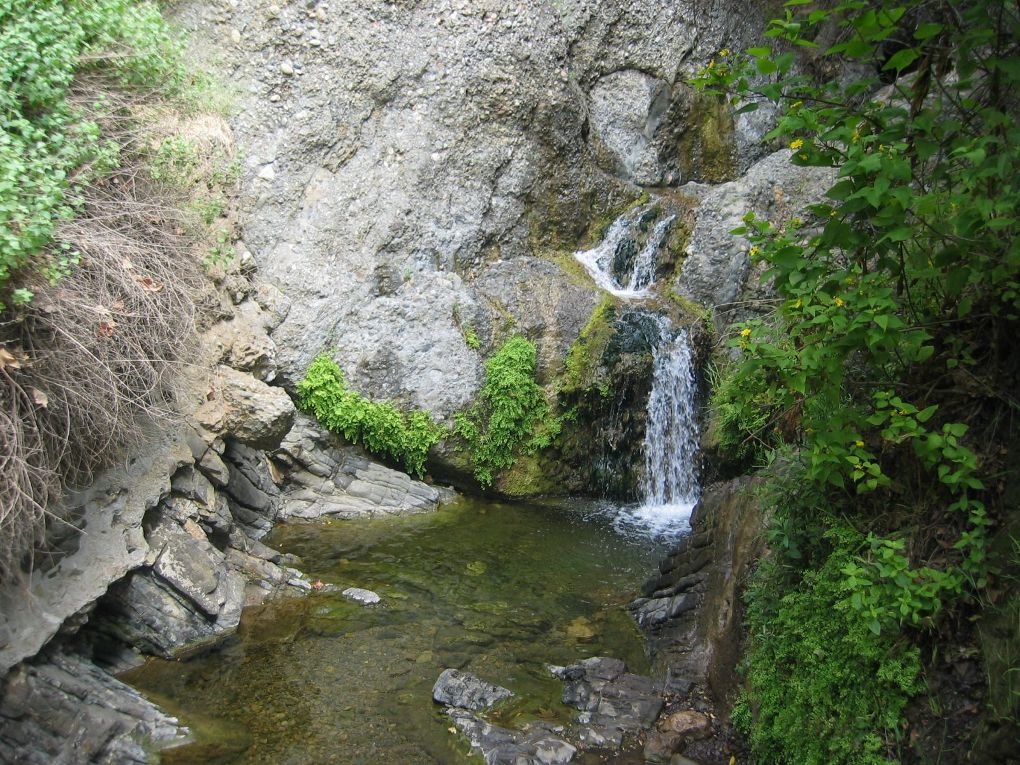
[717, 270]
[243, 407]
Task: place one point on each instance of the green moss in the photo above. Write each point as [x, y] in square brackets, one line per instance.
[689, 308]
[706, 151]
[527, 478]
[582, 362]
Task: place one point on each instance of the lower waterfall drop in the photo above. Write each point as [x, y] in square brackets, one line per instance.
[670, 486]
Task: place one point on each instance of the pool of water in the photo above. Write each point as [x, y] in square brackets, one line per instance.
[499, 590]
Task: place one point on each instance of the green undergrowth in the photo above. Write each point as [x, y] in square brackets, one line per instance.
[48, 146]
[826, 688]
[511, 414]
[581, 367]
[881, 386]
[378, 426]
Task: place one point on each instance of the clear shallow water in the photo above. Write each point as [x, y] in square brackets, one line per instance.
[498, 590]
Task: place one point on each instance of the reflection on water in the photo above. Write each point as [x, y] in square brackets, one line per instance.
[498, 590]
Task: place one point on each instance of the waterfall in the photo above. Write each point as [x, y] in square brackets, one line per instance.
[670, 487]
[621, 264]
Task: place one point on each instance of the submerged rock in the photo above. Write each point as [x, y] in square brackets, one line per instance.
[358, 595]
[465, 691]
[535, 744]
[612, 701]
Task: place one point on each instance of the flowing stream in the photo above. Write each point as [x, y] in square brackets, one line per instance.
[500, 590]
[623, 263]
[496, 589]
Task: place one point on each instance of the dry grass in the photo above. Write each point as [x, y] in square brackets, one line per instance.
[95, 357]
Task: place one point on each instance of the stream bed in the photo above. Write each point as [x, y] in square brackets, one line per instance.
[499, 590]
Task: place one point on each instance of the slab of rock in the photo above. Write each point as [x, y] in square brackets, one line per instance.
[63, 710]
[112, 544]
[364, 597]
[325, 478]
[465, 691]
[535, 744]
[612, 702]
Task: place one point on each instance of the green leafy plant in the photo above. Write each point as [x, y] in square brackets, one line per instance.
[823, 687]
[378, 426]
[896, 297]
[511, 412]
[46, 147]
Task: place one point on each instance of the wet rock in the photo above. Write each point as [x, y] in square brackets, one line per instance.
[612, 702]
[358, 595]
[626, 109]
[535, 744]
[247, 409]
[63, 710]
[660, 746]
[325, 478]
[465, 691]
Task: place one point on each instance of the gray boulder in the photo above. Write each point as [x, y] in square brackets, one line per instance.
[716, 271]
[245, 408]
[612, 702]
[465, 691]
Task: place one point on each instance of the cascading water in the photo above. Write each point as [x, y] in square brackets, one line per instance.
[625, 277]
[670, 487]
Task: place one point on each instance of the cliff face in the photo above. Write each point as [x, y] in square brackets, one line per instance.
[401, 158]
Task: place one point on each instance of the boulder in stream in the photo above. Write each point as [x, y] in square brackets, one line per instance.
[465, 691]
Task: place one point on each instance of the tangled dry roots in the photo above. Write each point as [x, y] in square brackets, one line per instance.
[94, 358]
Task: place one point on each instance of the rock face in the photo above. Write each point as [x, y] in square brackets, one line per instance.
[716, 270]
[324, 478]
[691, 612]
[378, 195]
[66, 711]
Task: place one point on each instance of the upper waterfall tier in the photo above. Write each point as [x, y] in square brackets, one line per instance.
[624, 262]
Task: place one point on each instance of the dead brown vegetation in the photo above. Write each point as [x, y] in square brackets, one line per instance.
[100, 353]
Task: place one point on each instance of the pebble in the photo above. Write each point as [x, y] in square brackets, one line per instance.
[287, 68]
[267, 173]
[235, 36]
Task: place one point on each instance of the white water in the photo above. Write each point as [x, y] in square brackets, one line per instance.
[670, 486]
[598, 261]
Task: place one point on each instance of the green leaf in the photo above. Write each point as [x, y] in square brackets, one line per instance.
[901, 59]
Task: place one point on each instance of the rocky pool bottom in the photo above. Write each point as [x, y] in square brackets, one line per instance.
[498, 590]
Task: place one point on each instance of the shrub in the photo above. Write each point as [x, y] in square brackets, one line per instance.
[511, 412]
[45, 145]
[378, 426]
